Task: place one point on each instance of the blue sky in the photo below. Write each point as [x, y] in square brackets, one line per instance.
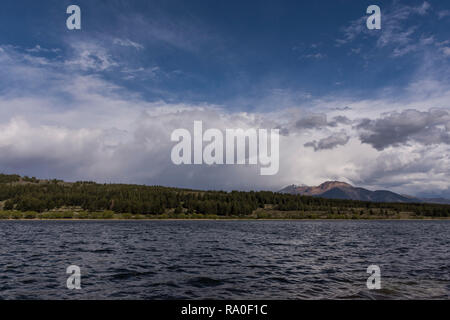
[232, 52]
[137, 65]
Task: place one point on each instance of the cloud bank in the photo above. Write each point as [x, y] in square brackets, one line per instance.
[61, 116]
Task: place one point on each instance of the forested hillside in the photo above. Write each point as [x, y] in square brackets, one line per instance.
[30, 194]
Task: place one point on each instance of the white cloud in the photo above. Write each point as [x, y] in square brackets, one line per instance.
[393, 34]
[70, 125]
[128, 43]
[38, 49]
[90, 57]
[443, 14]
[317, 56]
[446, 51]
[423, 9]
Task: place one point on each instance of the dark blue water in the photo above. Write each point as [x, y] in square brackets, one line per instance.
[224, 259]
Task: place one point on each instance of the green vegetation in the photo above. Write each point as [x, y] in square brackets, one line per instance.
[30, 198]
[4, 178]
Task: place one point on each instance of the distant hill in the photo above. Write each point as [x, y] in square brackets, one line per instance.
[342, 190]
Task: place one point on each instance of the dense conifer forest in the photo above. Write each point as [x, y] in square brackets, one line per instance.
[59, 199]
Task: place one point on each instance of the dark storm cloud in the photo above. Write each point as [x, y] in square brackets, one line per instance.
[337, 139]
[339, 120]
[429, 127]
[283, 131]
[319, 120]
[312, 120]
[346, 108]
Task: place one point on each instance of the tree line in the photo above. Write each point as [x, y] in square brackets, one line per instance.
[30, 194]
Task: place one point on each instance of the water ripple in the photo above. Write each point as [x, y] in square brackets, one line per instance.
[224, 259]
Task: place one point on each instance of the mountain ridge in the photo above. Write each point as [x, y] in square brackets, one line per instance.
[343, 190]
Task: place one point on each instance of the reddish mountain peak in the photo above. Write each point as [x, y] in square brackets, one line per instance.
[306, 190]
[333, 184]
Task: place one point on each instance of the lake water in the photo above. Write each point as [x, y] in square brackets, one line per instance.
[224, 259]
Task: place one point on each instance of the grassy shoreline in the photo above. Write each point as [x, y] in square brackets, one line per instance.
[241, 219]
[110, 216]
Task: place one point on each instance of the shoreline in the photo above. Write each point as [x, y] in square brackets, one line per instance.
[236, 219]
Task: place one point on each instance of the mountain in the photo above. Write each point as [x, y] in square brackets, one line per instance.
[342, 190]
[436, 200]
